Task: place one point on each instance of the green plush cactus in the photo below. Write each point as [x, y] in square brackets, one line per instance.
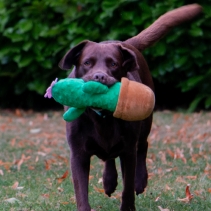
[78, 95]
[128, 100]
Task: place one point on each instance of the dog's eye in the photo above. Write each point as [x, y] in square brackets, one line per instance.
[113, 64]
[87, 63]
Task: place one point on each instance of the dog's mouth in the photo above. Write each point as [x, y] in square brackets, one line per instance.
[108, 80]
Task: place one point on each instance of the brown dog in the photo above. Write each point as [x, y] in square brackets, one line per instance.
[97, 132]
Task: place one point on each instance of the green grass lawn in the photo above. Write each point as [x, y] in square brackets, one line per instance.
[34, 161]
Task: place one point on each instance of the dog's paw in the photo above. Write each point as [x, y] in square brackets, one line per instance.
[140, 185]
[110, 177]
[109, 186]
[139, 190]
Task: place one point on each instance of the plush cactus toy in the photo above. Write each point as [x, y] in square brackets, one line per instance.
[128, 100]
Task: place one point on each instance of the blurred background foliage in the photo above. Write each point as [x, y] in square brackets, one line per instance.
[35, 34]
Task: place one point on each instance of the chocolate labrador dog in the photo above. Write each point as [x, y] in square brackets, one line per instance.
[97, 132]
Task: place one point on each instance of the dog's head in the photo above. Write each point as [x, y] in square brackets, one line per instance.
[105, 62]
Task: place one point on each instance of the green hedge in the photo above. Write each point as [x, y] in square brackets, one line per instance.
[35, 34]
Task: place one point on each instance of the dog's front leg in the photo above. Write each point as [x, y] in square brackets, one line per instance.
[110, 177]
[128, 165]
[80, 166]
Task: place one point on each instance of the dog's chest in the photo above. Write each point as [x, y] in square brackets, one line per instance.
[104, 148]
[106, 139]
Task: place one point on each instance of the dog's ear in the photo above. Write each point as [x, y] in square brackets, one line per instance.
[71, 56]
[130, 58]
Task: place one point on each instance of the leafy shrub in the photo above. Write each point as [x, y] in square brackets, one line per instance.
[35, 34]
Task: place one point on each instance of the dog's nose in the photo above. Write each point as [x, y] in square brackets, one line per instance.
[100, 77]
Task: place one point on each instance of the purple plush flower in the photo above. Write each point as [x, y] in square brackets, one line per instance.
[49, 89]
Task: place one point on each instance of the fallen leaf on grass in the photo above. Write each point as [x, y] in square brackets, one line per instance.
[171, 169]
[199, 193]
[170, 153]
[100, 180]
[99, 190]
[35, 130]
[207, 170]
[65, 202]
[194, 157]
[157, 199]
[21, 195]
[49, 182]
[180, 154]
[191, 177]
[42, 154]
[61, 179]
[31, 167]
[36, 159]
[91, 177]
[180, 179]
[3, 127]
[46, 195]
[162, 209]
[150, 161]
[163, 157]
[12, 200]
[60, 189]
[47, 165]
[117, 195]
[167, 188]
[45, 149]
[150, 175]
[18, 163]
[7, 165]
[15, 186]
[1, 172]
[12, 142]
[73, 200]
[188, 194]
[64, 159]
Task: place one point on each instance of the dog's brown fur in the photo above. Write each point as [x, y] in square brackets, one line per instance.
[106, 136]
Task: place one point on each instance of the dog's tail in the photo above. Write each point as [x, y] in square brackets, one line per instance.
[163, 25]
